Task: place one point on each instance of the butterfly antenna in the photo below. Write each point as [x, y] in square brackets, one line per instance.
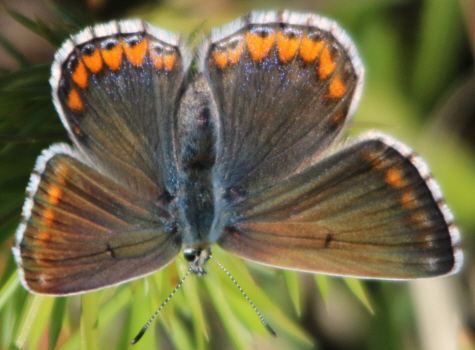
[263, 321]
[144, 328]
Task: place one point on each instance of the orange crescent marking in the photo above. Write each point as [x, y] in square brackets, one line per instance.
[258, 46]
[337, 88]
[43, 235]
[74, 101]
[169, 61]
[93, 62]
[338, 117]
[394, 177]
[309, 49]
[136, 54]
[61, 180]
[54, 193]
[80, 75]
[220, 58]
[287, 47]
[113, 57]
[157, 59]
[408, 200]
[326, 66]
[48, 217]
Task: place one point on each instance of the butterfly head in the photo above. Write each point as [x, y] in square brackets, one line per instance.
[198, 257]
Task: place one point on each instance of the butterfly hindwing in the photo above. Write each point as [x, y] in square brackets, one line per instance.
[370, 210]
[82, 231]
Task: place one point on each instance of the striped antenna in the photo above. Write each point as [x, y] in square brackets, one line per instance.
[263, 321]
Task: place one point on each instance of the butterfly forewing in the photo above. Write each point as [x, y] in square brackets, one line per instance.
[370, 210]
[284, 85]
[116, 87]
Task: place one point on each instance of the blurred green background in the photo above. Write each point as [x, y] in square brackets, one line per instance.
[420, 87]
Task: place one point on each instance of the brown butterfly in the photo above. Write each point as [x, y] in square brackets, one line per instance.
[237, 154]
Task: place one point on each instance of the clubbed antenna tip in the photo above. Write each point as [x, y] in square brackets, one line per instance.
[270, 330]
[139, 336]
[144, 329]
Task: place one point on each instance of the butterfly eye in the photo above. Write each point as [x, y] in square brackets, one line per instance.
[190, 254]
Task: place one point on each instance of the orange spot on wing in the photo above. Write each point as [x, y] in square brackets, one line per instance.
[310, 49]
[408, 200]
[157, 59]
[259, 46]
[337, 88]
[338, 117]
[43, 235]
[230, 53]
[93, 62]
[61, 180]
[113, 57]
[54, 193]
[48, 217]
[287, 46]
[169, 61]
[74, 101]
[327, 66]
[136, 53]
[394, 177]
[220, 58]
[80, 75]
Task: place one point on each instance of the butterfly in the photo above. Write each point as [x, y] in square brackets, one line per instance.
[240, 152]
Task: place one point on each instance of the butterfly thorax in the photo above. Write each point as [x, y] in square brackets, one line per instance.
[196, 158]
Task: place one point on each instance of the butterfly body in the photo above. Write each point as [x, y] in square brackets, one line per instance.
[239, 156]
[197, 156]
